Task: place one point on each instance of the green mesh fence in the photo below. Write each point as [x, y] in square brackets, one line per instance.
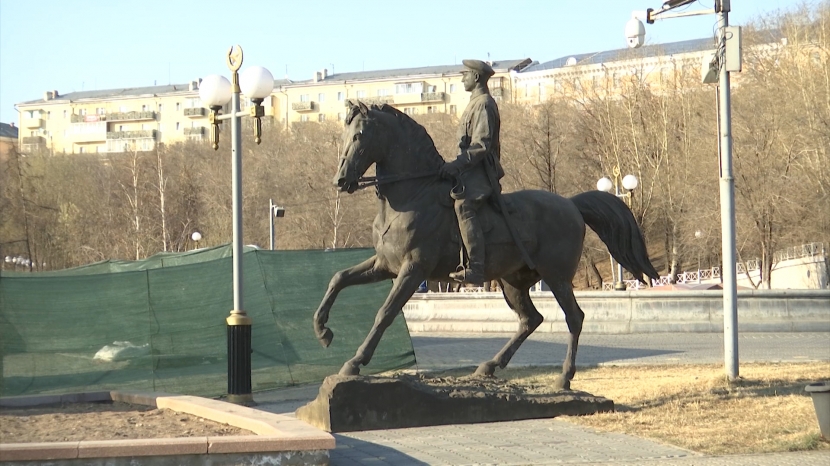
[159, 324]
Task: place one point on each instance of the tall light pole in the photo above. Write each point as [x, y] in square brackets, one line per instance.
[274, 211]
[215, 91]
[629, 183]
[727, 59]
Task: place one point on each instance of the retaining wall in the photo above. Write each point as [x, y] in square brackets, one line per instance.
[627, 311]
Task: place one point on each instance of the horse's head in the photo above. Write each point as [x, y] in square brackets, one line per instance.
[364, 142]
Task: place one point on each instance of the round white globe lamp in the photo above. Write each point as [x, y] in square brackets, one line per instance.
[256, 82]
[604, 184]
[215, 90]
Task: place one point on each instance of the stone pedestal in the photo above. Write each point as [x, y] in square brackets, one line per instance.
[355, 403]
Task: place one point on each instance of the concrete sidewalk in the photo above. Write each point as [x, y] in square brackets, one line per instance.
[556, 441]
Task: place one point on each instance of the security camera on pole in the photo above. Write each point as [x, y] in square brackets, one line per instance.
[727, 58]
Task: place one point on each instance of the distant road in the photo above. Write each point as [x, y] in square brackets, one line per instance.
[446, 350]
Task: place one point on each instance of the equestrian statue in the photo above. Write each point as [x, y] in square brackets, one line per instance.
[433, 214]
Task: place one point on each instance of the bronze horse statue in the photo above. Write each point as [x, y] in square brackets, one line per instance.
[416, 235]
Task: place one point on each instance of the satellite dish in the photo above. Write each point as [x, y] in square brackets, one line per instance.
[570, 61]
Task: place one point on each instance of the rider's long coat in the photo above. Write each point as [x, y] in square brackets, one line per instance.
[478, 136]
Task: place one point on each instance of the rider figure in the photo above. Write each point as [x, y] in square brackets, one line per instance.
[477, 169]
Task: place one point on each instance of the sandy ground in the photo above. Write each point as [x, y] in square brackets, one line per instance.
[103, 421]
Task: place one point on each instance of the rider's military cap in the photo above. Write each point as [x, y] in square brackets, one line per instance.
[479, 67]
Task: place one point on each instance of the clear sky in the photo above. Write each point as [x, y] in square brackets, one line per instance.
[74, 45]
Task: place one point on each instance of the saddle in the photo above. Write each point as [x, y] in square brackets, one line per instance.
[493, 223]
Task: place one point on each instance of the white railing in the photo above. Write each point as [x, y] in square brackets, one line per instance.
[699, 276]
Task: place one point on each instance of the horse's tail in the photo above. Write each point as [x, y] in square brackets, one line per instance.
[615, 225]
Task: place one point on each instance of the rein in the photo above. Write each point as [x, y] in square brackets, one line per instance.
[368, 181]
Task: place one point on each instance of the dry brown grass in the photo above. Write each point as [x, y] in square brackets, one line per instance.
[695, 407]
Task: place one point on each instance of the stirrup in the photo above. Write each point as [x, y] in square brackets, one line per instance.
[468, 276]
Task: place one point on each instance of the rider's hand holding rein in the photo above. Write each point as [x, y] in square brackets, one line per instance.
[452, 169]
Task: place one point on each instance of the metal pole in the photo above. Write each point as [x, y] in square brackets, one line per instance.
[727, 207]
[619, 285]
[271, 220]
[239, 324]
[236, 173]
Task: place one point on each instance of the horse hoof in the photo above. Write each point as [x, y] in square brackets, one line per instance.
[326, 337]
[486, 369]
[349, 369]
[562, 383]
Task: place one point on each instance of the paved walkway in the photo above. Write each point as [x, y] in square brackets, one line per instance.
[557, 441]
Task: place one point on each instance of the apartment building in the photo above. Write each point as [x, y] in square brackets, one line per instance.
[114, 120]
[119, 120]
[8, 139]
[431, 89]
[602, 73]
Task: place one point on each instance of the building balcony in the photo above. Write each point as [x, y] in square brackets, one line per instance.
[380, 100]
[87, 132]
[33, 140]
[197, 131]
[497, 92]
[195, 112]
[32, 123]
[131, 116]
[404, 99]
[432, 97]
[87, 118]
[302, 106]
[139, 134]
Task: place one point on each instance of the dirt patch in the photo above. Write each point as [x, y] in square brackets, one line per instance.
[103, 421]
[695, 407]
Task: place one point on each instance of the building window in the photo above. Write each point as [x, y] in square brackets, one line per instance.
[453, 110]
[340, 117]
[82, 111]
[304, 98]
[64, 113]
[430, 88]
[100, 111]
[340, 96]
[178, 106]
[143, 108]
[321, 97]
[81, 150]
[383, 92]
[160, 107]
[430, 109]
[321, 117]
[161, 127]
[409, 88]
[178, 125]
[361, 93]
[495, 83]
[452, 87]
[303, 117]
[120, 127]
[122, 109]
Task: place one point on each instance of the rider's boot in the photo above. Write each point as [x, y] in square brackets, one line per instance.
[473, 239]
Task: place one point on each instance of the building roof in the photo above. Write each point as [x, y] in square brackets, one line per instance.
[8, 131]
[126, 92]
[671, 48]
[500, 65]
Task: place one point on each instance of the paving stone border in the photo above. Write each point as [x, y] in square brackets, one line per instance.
[279, 437]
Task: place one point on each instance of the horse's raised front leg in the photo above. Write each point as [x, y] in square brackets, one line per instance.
[529, 319]
[403, 288]
[360, 274]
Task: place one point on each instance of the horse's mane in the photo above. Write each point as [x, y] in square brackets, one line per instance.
[422, 141]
